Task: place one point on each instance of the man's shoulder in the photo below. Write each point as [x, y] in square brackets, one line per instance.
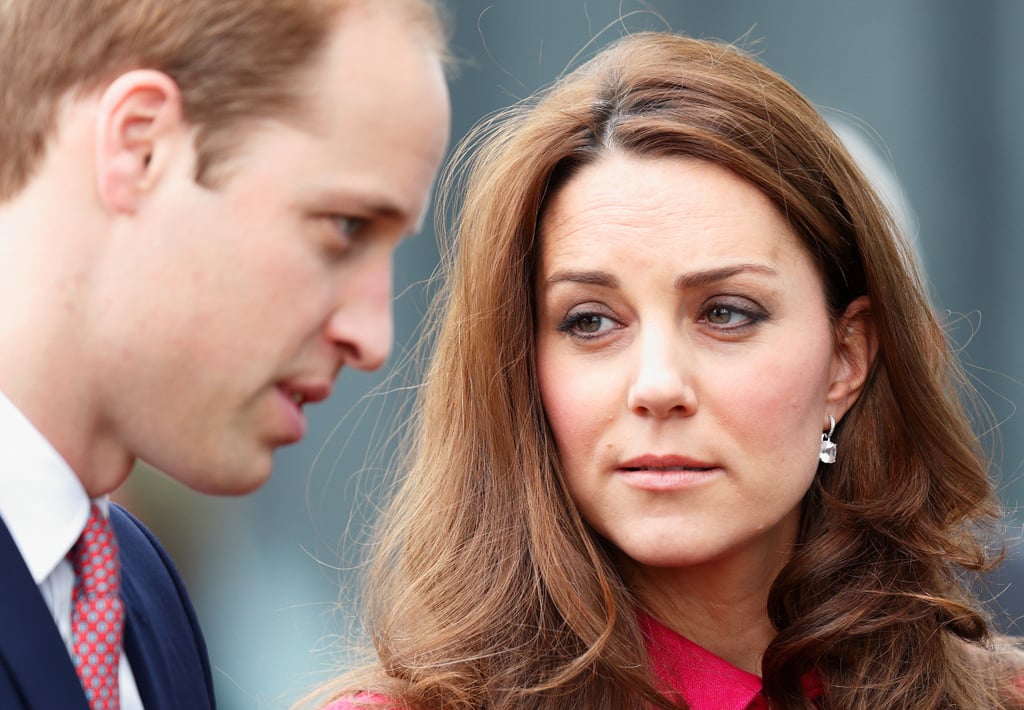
[163, 639]
[138, 545]
[147, 568]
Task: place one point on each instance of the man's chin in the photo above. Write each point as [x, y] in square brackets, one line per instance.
[232, 480]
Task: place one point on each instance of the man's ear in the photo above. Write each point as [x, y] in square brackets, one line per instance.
[140, 120]
[855, 349]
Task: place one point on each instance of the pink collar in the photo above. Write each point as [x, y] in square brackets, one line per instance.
[704, 680]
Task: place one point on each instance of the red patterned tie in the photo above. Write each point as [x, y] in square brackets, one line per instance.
[97, 614]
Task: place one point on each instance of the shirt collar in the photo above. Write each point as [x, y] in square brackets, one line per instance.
[704, 680]
[42, 501]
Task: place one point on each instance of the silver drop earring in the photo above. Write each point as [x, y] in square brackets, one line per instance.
[828, 447]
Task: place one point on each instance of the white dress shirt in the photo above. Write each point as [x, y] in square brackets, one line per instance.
[45, 508]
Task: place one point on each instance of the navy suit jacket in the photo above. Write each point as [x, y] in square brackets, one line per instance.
[162, 638]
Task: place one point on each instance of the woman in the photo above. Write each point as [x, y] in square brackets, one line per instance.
[691, 436]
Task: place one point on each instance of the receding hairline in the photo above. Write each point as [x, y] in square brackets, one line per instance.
[420, 24]
[428, 16]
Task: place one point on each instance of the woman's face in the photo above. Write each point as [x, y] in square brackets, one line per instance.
[686, 359]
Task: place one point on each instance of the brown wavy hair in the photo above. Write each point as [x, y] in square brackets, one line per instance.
[487, 588]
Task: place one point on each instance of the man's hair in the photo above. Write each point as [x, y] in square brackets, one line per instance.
[233, 61]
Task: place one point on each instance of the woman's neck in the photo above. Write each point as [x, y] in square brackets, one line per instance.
[721, 605]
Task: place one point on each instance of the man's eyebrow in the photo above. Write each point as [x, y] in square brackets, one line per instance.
[371, 203]
[384, 210]
[380, 209]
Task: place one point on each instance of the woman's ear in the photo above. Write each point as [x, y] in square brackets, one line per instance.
[139, 121]
[856, 345]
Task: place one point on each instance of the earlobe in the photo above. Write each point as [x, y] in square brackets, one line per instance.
[139, 120]
[855, 350]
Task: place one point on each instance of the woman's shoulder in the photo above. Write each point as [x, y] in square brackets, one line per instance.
[362, 701]
[1003, 661]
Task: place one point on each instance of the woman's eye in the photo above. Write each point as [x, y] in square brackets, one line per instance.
[589, 324]
[723, 315]
[733, 318]
[586, 325]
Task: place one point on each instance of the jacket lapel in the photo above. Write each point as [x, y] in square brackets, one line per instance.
[139, 639]
[33, 653]
[161, 638]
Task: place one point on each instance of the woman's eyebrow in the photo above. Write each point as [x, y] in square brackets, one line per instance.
[683, 281]
[711, 276]
[591, 278]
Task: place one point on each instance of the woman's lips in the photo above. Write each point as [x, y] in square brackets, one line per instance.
[665, 472]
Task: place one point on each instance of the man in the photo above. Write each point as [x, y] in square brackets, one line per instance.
[199, 201]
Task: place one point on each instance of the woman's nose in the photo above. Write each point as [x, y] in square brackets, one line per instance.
[662, 383]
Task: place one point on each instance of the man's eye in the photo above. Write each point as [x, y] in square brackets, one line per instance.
[349, 226]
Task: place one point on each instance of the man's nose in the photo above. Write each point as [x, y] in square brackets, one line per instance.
[362, 324]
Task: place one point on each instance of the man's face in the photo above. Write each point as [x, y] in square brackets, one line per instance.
[225, 309]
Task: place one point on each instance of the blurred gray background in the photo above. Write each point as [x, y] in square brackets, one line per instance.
[933, 87]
